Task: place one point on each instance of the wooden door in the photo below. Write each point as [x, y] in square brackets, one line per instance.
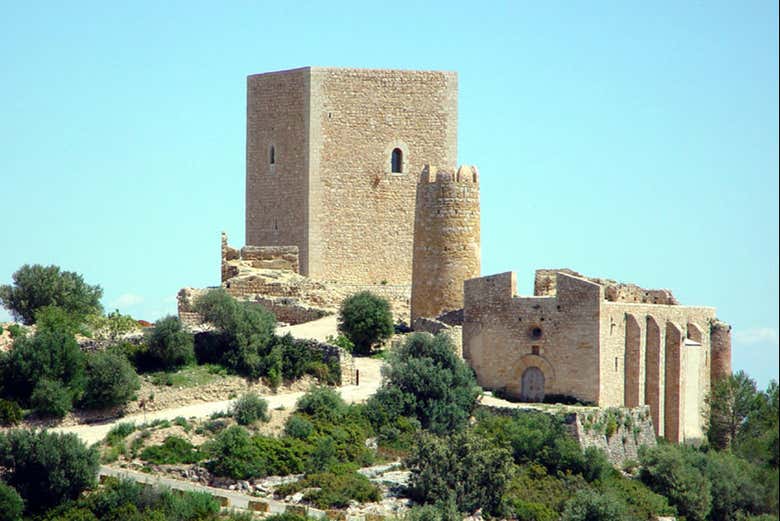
[532, 385]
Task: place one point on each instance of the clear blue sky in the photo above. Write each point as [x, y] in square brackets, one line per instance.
[631, 140]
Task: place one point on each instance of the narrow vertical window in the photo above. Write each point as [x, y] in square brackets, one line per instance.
[396, 161]
[272, 155]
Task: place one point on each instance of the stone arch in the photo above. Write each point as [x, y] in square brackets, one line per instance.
[693, 332]
[632, 361]
[526, 362]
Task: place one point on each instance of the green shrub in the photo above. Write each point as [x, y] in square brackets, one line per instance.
[465, 467]
[441, 511]
[737, 487]
[286, 516]
[111, 381]
[426, 380]
[536, 437]
[129, 501]
[322, 403]
[323, 456]
[170, 346]
[46, 468]
[111, 326]
[119, 432]
[588, 505]
[250, 408]
[333, 489]
[245, 331]
[10, 413]
[341, 341]
[233, 454]
[51, 398]
[281, 456]
[532, 483]
[641, 503]
[50, 354]
[173, 450]
[35, 286]
[16, 331]
[236, 454]
[208, 347]
[530, 511]
[298, 427]
[182, 422]
[365, 319]
[673, 471]
[11, 504]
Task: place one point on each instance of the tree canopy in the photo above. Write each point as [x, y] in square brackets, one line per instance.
[36, 286]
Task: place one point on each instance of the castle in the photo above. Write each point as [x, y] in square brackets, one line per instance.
[351, 183]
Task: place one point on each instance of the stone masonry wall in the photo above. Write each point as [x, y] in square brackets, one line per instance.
[361, 214]
[618, 431]
[446, 240]
[503, 335]
[634, 360]
[613, 354]
[277, 203]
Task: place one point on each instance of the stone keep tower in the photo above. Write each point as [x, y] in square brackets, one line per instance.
[446, 239]
[332, 157]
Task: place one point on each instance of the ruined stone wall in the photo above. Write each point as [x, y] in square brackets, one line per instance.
[185, 300]
[446, 240]
[271, 257]
[504, 335]
[618, 431]
[544, 285]
[362, 214]
[635, 362]
[277, 202]
[234, 261]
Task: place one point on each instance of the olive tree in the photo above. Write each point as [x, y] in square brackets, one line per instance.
[36, 286]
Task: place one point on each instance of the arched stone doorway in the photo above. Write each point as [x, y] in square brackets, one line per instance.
[532, 385]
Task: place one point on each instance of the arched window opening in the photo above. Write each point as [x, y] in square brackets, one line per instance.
[272, 155]
[397, 161]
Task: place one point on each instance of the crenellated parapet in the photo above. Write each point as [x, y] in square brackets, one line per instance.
[464, 174]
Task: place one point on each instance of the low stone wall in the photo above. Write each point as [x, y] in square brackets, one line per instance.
[345, 360]
[257, 257]
[434, 327]
[618, 431]
[291, 311]
[134, 337]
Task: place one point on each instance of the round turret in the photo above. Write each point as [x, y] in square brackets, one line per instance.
[720, 351]
[446, 240]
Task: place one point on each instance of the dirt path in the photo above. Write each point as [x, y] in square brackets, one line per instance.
[370, 380]
[319, 329]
